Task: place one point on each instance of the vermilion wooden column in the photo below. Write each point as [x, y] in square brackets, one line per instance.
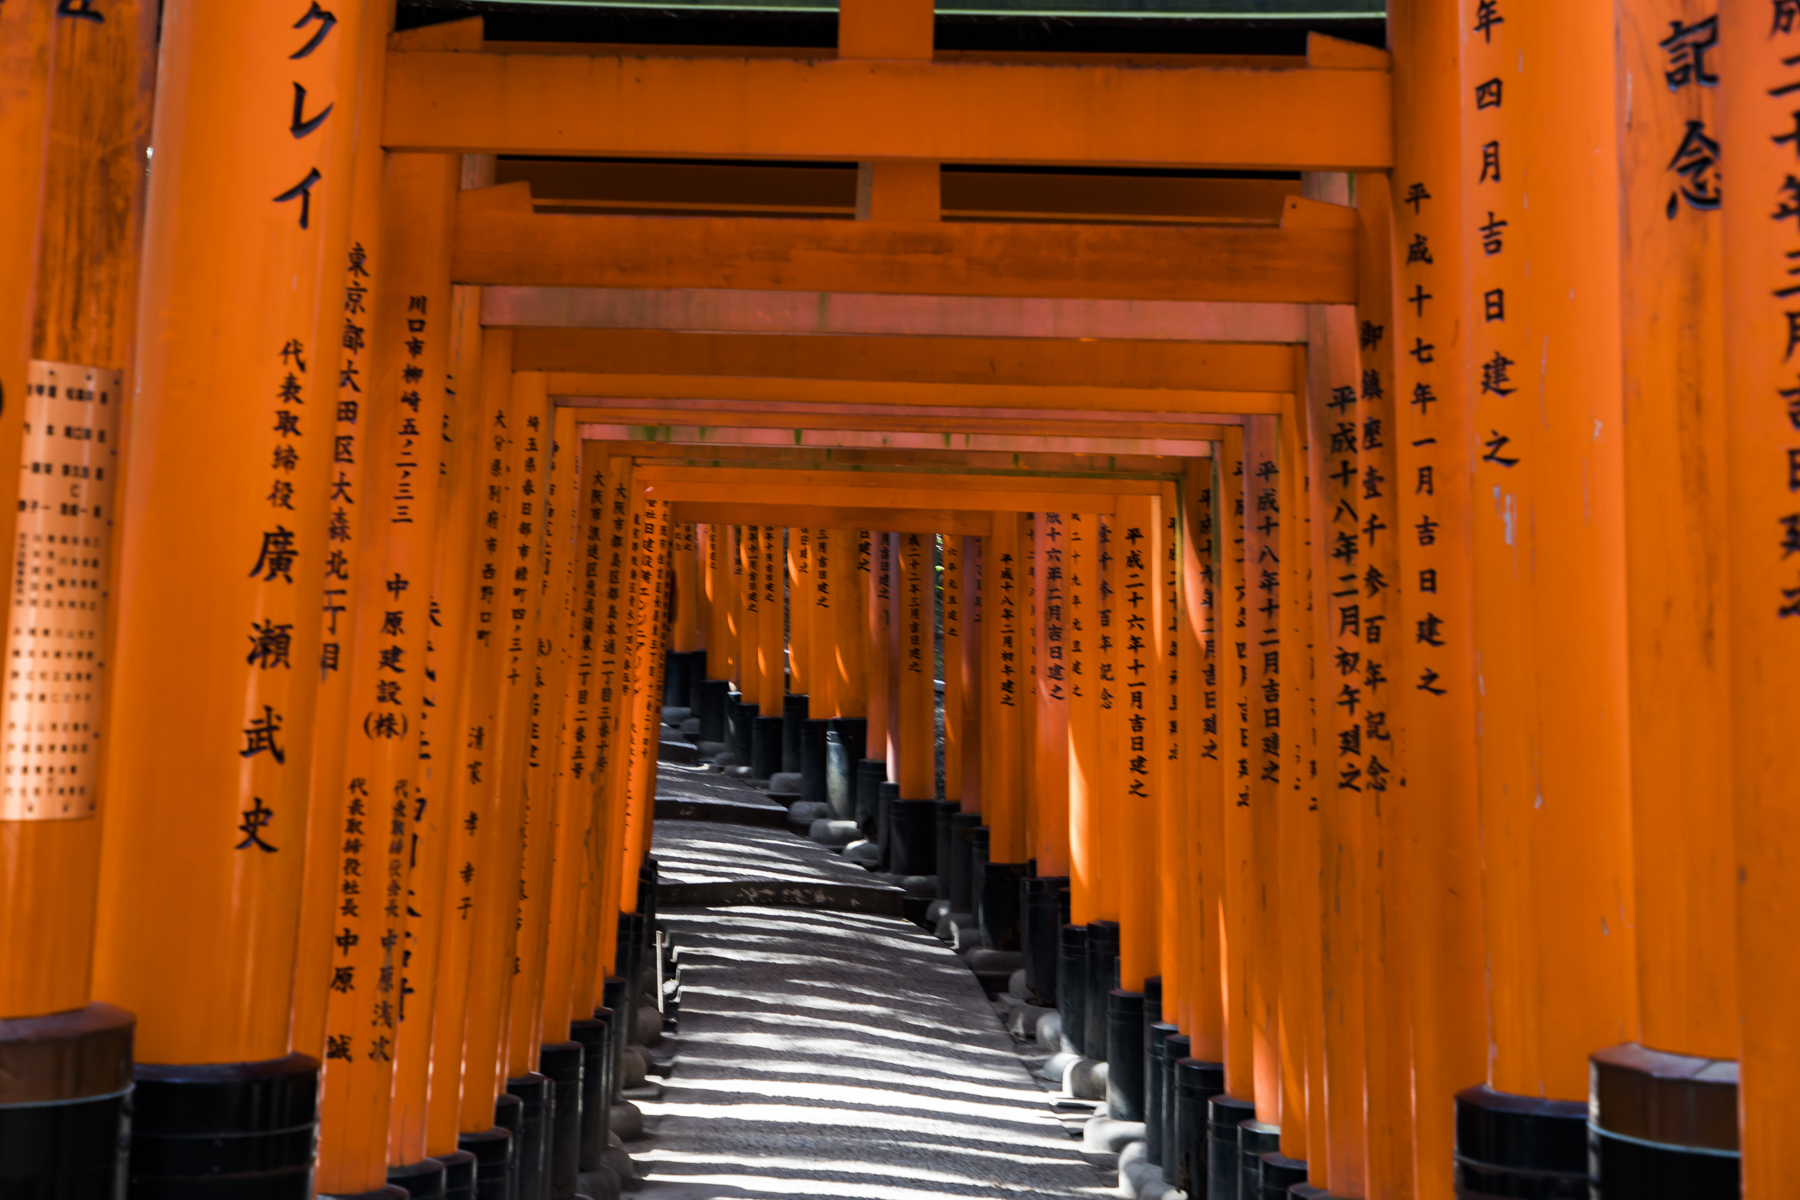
[749, 617]
[1050, 790]
[1261, 696]
[1237, 896]
[1002, 693]
[1138, 621]
[918, 749]
[614, 673]
[875, 646]
[800, 610]
[1675, 472]
[468, 594]
[1436, 683]
[1761, 448]
[207, 798]
[1202, 1018]
[970, 672]
[488, 1058]
[1082, 564]
[1542, 311]
[423, 1074]
[1385, 808]
[1302, 1026]
[1109, 741]
[952, 643]
[382, 783]
[719, 580]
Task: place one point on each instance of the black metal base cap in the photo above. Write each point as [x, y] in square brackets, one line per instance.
[1001, 921]
[561, 1061]
[1520, 1146]
[423, 1179]
[713, 694]
[1071, 985]
[814, 784]
[1255, 1139]
[594, 1101]
[914, 832]
[1279, 1174]
[392, 1191]
[1102, 977]
[871, 773]
[65, 1108]
[459, 1175]
[509, 1114]
[1661, 1125]
[765, 747]
[1125, 1054]
[225, 1129]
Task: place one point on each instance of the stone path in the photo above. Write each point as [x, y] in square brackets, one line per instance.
[834, 1054]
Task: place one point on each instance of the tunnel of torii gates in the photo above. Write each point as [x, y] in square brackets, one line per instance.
[1340, 622]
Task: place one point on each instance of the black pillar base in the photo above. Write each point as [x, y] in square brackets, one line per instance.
[423, 1180]
[1071, 986]
[871, 773]
[1509, 1145]
[1663, 1125]
[537, 1111]
[794, 710]
[509, 1114]
[1102, 977]
[1276, 1174]
[944, 826]
[1223, 1115]
[914, 848]
[1125, 1054]
[1041, 930]
[492, 1149]
[765, 747]
[256, 1121]
[612, 998]
[391, 1191]
[562, 1062]
[1152, 1000]
[960, 876]
[594, 1100]
[65, 1102]
[459, 1175]
[740, 728]
[1179, 1114]
[999, 904]
[1255, 1139]
[1158, 1102]
[713, 694]
[886, 796]
[844, 738]
[676, 681]
[815, 783]
[696, 679]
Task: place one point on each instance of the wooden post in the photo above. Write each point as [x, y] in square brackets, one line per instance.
[1302, 996]
[1675, 473]
[1338, 1163]
[207, 799]
[428, 1070]
[488, 1060]
[800, 610]
[1109, 743]
[1169, 768]
[918, 748]
[1386, 997]
[850, 604]
[76, 286]
[1050, 791]
[1761, 449]
[1238, 921]
[830, 551]
[720, 578]
[1435, 685]
[1002, 693]
[953, 602]
[970, 672]
[750, 618]
[1542, 314]
[1138, 621]
[1082, 556]
[1261, 701]
[875, 658]
[381, 785]
[614, 668]
[1202, 1019]
[686, 629]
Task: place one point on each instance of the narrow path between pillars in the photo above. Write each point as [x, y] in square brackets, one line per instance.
[830, 1053]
